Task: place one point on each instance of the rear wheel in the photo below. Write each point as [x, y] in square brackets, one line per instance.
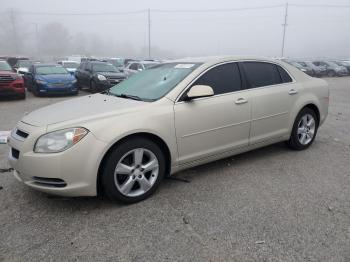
[304, 130]
[133, 171]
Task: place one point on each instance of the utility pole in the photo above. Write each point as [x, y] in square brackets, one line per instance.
[284, 28]
[14, 30]
[149, 33]
[36, 37]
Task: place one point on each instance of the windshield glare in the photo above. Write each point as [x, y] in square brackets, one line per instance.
[51, 70]
[4, 66]
[149, 65]
[104, 68]
[154, 83]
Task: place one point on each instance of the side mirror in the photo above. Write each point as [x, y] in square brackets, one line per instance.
[199, 91]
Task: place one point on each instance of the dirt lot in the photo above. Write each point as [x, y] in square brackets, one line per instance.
[271, 204]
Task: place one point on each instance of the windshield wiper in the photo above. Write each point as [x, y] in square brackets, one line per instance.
[130, 97]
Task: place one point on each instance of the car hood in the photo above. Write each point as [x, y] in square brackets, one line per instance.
[82, 109]
[54, 78]
[7, 73]
[115, 74]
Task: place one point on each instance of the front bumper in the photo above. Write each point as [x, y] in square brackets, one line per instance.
[76, 167]
[69, 88]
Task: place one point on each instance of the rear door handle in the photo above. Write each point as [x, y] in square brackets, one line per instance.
[240, 101]
[293, 92]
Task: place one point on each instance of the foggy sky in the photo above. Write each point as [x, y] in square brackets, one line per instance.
[311, 31]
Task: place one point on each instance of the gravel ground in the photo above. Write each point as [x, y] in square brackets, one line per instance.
[271, 204]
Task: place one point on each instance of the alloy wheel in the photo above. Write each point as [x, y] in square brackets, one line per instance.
[306, 129]
[136, 172]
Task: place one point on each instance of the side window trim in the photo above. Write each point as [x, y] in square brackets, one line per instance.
[180, 96]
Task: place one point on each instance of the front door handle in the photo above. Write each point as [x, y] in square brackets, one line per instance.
[293, 92]
[240, 101]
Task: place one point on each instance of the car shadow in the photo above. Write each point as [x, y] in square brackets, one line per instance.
[167, 186]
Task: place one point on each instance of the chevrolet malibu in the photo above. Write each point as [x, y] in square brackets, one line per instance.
[176, 115]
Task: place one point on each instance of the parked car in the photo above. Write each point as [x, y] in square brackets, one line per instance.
[319, 71]
[12, 60]
[11, 84]
[71, 66]
[22, 66]
[138, 66]
[98, 76]
[165, 119]
[332, 68]
[50, 79]
[302, 67]
[346, 64]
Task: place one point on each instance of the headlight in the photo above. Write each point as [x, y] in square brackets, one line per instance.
[40, 82]
[59, 141]
[101, 78]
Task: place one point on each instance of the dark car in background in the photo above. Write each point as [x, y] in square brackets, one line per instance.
[22, 66]
[50, 79]
[98, 76]
[11, 84]
[332, 69]
[117, 62]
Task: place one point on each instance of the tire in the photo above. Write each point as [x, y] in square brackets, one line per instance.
[35, 91]
[134, 181]
[93, 87]
[80, 87]
[22, 96]
[331, 73]
[302, 135]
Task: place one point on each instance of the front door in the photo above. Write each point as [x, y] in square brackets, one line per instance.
[217, 124]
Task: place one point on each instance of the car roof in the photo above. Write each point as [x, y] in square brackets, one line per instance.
[218, 59]
[45, 64]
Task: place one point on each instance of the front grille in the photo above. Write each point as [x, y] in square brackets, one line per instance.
[51, 182]
[21, 133]
[15, 153]
[6, 79]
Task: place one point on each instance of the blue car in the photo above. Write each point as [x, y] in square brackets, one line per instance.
[46, 79]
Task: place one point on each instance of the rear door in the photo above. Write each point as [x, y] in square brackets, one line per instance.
[217, 124]
[273, 94]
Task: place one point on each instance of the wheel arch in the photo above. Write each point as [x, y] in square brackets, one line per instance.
[154, 138]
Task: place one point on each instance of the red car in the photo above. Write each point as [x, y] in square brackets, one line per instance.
[11, 84]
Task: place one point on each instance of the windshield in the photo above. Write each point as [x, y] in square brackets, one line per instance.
[4, 66]
[104, 68]
[302, 64]
[51, 70]
[117, 62]
[24, 63]
[154, 83]
[70, 65]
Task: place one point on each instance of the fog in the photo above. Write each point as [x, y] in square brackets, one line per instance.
[52, 29]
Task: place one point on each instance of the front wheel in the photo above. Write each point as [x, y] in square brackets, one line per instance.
[304, 130]
[133, 171]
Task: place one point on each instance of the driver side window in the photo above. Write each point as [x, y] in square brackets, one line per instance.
[222, 79]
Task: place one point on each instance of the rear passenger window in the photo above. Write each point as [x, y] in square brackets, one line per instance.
[261, 74]
[223, 79]
[284, 75]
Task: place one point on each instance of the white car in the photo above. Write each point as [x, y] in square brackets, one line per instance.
[138, 66]
[171, 117]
